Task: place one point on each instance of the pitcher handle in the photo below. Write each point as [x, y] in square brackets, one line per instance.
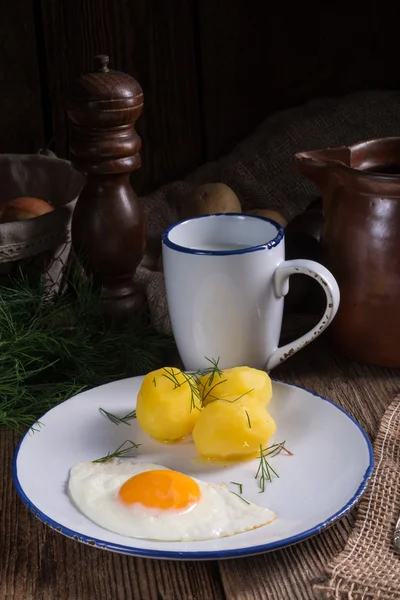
[281, 286]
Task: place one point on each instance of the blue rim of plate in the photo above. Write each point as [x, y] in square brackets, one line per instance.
[205, 555]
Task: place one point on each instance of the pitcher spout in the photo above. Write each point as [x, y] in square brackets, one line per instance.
[319, 165]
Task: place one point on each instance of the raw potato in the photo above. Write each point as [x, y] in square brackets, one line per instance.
[235, 382]
[165, 410]
[232, 429]
[270, 214]
[22, 208]
[209, 199]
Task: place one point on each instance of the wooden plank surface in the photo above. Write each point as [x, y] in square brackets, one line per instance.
[154, 42]
[21, 125]
[37, 563]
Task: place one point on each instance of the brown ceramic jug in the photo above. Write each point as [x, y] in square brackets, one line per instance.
[360, 240]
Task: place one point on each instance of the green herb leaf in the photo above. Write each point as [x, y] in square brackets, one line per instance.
[190, 380]
[241, 497]
[117, 420]
[265, 471]
[53, 349]
[230, 401]
[123, 449]
[240, 486]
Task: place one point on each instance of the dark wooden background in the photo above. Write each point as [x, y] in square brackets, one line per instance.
[211, 70]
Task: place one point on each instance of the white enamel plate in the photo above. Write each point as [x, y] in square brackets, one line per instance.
[331, 464]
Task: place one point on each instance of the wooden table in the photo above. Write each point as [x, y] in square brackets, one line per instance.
[38, 564]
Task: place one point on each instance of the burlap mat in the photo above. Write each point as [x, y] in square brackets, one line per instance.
[369, 566]
[260, 170]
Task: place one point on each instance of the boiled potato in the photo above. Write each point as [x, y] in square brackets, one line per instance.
[232, 429]
[211, 198]
[270, 214]
[166, 408]
[235, 382]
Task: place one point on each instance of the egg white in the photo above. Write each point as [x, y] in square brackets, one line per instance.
[93, 488]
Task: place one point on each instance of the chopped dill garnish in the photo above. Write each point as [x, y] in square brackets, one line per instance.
[170, 374]
[211, 371]
[120, 451]
[154, 382]
[195, 396]
[248, 418]
[230, 401]
[117, 420]
[211, 389]
[201, 393]
[241, 497]
[286, 450]
[265, 472]
[240, 486]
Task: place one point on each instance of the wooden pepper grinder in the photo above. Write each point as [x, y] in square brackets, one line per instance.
[108, 232]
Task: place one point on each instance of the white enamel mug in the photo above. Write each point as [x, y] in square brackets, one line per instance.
[226, 277]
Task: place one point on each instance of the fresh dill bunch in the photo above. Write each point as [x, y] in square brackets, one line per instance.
[52, 349]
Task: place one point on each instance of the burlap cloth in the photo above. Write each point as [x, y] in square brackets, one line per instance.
[260, 170]
[369, 566]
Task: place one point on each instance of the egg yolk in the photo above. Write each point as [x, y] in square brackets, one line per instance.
[161, 489]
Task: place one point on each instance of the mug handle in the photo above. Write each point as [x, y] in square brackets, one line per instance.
[281, 286]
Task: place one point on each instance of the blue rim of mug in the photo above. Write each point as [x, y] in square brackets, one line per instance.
[266, 246]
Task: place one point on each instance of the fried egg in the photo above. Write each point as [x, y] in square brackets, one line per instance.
[152, 502]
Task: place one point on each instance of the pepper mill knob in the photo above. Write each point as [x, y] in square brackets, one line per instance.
[101, 63]
[108, 232]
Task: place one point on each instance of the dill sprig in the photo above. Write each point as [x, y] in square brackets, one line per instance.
[230, 401]
[172, 376]
[265, 471]
[240, 486]
[190, 380]
[118, 420]
[198, 396]
[209, 393]
[195, 396]
[241, 497]
[211, 371]
[120, 451]
[52, 349]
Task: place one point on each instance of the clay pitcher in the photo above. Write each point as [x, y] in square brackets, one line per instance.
[360, 239]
